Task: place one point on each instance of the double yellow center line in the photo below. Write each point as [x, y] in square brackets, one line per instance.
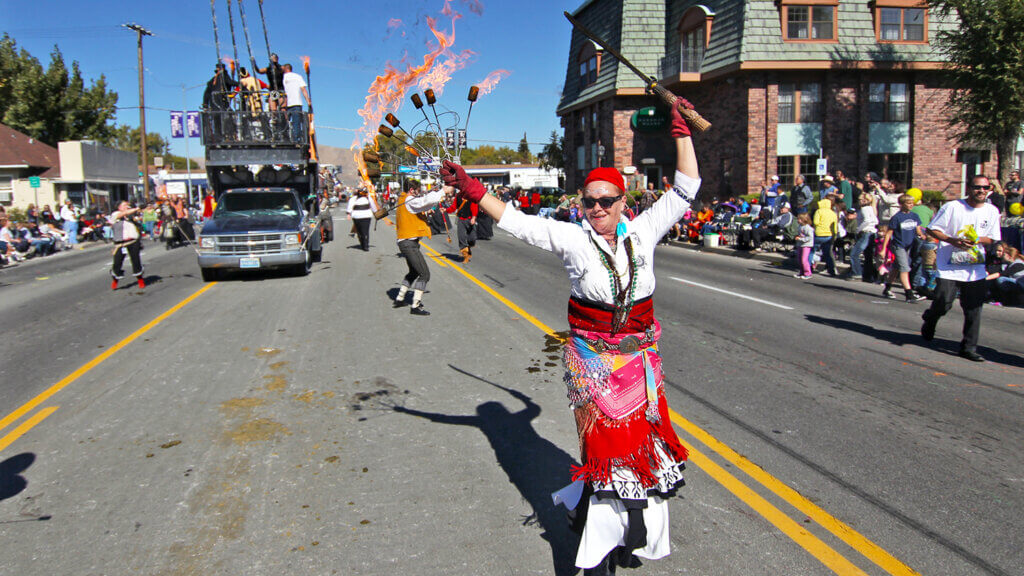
[814, 545]
[38, 417]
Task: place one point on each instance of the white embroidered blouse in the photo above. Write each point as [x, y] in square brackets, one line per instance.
[574, 244]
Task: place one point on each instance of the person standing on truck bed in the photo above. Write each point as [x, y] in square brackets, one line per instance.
[215, 99]
[295, 90]
[275, 79]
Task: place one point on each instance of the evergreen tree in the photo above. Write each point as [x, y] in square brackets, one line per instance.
[551, 156]
[987, 70]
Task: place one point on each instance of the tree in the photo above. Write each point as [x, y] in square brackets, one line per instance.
[986, 64]
[524, 150]
[551, 155]
[126, 138]
[52, 105]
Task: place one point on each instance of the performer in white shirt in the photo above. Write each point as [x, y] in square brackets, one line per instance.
[360, 208]
[127, 242]
[632, 460]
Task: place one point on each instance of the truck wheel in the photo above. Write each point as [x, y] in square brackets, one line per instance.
[316, 249]
[304, 268]
[210, 274]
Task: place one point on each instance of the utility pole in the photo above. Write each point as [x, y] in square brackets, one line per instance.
[140, 31]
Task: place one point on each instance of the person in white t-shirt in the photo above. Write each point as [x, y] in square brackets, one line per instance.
[963, 228]
[127, 243]
[295, 89]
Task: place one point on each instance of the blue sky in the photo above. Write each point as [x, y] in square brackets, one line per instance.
[348, 42]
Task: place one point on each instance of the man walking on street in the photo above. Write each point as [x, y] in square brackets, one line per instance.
[67, 214]
[963, 228]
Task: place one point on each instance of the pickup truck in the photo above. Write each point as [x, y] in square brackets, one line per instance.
[259, 228]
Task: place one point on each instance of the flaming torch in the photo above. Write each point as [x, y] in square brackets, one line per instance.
[312, 128]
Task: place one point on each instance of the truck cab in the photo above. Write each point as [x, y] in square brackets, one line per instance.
[258, 228]
[262, 168]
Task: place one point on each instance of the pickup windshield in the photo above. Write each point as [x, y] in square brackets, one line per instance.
[257, 204]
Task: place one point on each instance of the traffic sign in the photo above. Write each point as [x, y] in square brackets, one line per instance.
[822, 167]
[33, 181]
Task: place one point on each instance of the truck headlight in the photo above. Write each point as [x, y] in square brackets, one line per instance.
[291, 239]
[207, 243]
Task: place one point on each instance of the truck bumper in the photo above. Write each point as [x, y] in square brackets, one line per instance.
[233, 261]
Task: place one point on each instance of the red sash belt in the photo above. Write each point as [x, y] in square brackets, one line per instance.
[597, 316]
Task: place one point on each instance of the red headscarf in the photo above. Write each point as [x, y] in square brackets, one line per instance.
[606, 174]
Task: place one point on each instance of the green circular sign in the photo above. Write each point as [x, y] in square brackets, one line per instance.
[650, 119]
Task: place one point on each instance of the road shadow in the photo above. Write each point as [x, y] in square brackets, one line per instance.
[534, 465]
[907, 338]
[12, 482]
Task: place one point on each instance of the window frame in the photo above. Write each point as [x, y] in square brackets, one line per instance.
[695, 19]
[902, 6]
[810, 5]
[589, 58]
[798, 104]
[887, 102]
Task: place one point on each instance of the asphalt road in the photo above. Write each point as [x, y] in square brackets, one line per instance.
[280, 425]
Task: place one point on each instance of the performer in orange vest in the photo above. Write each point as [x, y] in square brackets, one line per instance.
[412, 225]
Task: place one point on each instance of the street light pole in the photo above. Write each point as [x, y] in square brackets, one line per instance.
[140, 31]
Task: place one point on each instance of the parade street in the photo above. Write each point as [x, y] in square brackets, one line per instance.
[268, 424]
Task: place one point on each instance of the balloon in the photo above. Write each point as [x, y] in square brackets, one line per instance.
[916, 193]
[1016, 209]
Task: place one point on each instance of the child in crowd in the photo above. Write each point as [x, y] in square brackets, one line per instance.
[804, 246]
[883, 257]
[904, 227]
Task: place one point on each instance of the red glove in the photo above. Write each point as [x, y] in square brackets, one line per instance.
[680, 129]
[455, 175]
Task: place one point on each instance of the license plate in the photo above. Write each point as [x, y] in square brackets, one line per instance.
[248, 262]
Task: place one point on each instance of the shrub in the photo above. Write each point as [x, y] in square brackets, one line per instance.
[16, 215]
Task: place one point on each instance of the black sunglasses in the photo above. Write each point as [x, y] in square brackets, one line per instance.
[605, 202]
[981, 187]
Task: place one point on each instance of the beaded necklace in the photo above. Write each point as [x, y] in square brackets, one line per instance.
[622, 297]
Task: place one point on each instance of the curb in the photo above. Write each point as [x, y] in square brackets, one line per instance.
[773, 257]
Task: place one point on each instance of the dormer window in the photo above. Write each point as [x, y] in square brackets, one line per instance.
[694, 34]
[901, 21]
[590, 63]
[810, 20]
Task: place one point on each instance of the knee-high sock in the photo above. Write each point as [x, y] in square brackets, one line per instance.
[417, 296]
[401, 293]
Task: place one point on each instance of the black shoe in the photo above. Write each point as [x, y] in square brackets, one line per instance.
[887, 294]
[419, 310]
[398, 303]
[971, 355]
[927, 331]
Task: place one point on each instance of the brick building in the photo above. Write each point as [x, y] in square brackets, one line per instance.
[784, 83]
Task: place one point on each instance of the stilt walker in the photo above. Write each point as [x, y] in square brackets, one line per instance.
[632, 460]
[412, 225]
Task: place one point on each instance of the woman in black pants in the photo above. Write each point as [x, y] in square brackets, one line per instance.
[361, 207]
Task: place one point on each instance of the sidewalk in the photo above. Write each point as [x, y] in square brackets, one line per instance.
[777, 258]
[81, 247]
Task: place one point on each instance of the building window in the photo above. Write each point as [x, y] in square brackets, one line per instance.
[809, 23]
[785, 168]
[799, 103]
[593, 156]
[896, 24]
[691, 50]
[590, 64]
[6, 188]
[888, 103]
[809, 167]
[581, 158]
[895, 167]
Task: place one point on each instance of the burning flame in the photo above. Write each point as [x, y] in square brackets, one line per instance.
[305, 64]
[229, 62]
[487, 84]
[387, 92]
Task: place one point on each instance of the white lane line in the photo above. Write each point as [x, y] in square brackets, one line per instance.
[744, 296]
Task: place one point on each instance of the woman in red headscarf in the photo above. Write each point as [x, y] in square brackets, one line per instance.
[632, 460]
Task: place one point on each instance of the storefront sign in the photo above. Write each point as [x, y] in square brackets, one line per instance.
[650, 119]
